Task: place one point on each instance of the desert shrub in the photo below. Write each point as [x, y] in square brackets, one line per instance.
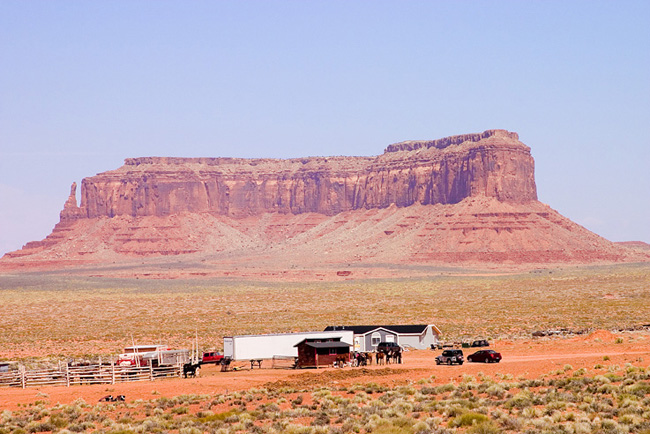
[401, 407]
[321, 419]
[487, 427]
[350, 426]
[224, 416]
[395, 426]
[444, 388]
[406, 390]
[512, 423]
[638, 388]
[522, 399]
[531, 413]
[180, 410]
[426, 390]
[361, 398]
[421, 427]
[374, 388]
[630, 419]
[610, 426]
[496, 390]
[39, 427]
[468, 418]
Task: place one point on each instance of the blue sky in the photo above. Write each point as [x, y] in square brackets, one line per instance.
[84, 85]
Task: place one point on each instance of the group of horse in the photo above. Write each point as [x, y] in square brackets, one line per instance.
[111, 398]
[365, 359]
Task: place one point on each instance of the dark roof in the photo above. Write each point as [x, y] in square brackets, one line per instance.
[311, 341]
[363, 329]
[328, 345]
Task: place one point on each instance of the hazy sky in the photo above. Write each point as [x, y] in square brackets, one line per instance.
[85, 84]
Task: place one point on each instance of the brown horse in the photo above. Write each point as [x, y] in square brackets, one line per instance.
[380, 357]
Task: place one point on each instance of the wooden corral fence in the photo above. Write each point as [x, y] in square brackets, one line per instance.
[89, 374]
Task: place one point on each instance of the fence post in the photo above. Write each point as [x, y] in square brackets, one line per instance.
[112, 372]
[67, 375]
[22, 376]
[151, 372]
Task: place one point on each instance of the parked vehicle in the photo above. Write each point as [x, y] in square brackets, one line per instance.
[211, 357]
[485, 356]
[450, 357]
[385, 347]
[480, 343]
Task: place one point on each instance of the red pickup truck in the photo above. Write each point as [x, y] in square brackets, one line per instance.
[211, 357]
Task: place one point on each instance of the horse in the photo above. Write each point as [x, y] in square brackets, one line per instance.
[191, 369]
[340, 361]
[380, 357]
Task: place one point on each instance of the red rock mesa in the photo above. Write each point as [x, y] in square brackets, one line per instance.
[463, 199]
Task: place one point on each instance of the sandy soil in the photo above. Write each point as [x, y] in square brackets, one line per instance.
[528, 358]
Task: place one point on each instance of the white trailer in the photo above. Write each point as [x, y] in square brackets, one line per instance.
[260, 347]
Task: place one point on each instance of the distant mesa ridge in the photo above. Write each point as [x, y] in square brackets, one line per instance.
[492, 164]
[462, 199]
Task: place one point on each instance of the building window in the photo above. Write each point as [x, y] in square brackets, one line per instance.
[375, 339]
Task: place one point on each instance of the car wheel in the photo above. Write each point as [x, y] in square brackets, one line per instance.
[437, 362]
[460, 363]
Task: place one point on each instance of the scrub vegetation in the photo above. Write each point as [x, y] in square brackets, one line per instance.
[605, 399]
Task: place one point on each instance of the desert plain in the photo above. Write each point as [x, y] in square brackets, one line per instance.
[542, 384]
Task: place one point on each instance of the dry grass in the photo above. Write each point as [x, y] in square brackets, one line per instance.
[615, 403]
[54, 314]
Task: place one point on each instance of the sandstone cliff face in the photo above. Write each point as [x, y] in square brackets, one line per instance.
[493, 164]
[462, 199]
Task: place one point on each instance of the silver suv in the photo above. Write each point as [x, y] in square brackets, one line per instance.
[450, 357]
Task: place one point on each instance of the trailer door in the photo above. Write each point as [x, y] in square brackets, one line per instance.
[229, 348]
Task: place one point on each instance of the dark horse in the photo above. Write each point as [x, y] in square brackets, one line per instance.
[190, 369]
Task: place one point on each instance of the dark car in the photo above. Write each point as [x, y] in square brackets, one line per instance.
[450, 357]
[480, 343]
[485, 356]
[385, 347]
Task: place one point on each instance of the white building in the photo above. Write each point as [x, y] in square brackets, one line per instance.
[367, 337]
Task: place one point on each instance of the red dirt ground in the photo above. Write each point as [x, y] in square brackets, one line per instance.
[529, 359]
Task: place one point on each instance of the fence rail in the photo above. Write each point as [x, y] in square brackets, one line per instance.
[90, 374]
